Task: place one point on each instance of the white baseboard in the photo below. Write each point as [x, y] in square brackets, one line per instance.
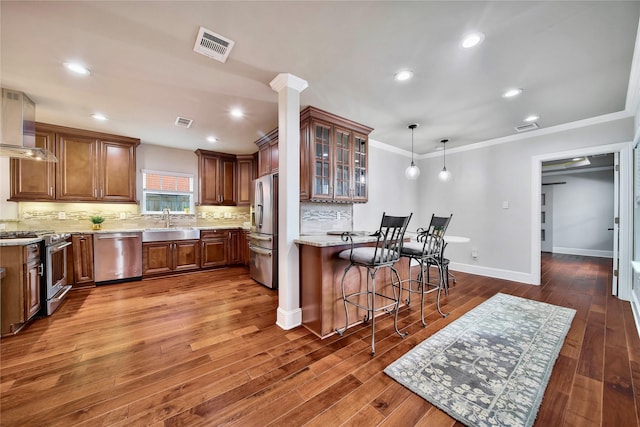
[515, 276]
[289, 319]
[583, 252]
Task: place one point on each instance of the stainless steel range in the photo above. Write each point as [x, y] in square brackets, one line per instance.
[55, 264]
[54, 260]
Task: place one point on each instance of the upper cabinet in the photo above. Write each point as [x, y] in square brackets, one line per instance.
[334, 155]
[217, 178]
[268, 153]
[246, 174]
[92, 167]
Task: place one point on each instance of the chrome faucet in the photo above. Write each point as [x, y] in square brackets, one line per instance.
[166, 215]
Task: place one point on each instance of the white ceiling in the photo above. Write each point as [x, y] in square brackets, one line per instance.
[571, 58]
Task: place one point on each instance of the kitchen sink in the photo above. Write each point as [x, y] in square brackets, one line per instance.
[164, 234]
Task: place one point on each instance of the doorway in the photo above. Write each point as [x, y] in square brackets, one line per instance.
[620, 285]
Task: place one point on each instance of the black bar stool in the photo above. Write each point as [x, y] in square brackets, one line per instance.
[427, 251]
[385, 253]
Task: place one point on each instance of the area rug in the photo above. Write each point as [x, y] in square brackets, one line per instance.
[491, 366]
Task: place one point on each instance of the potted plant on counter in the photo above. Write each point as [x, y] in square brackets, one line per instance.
[96, 221]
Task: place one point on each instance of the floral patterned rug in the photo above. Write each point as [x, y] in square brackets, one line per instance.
[491, 366]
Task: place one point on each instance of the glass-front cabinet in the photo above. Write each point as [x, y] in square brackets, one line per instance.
[360, 161]
[322, 185]
[334, 156]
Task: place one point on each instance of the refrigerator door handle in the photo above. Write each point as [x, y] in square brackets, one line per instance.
[260, 202]
[259, 251]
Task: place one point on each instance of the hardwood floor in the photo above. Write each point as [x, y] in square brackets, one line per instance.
[203, 349]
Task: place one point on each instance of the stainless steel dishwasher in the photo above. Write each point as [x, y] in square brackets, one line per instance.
[117, 257]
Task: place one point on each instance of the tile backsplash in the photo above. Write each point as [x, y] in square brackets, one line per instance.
[318, 218]
[75, 217]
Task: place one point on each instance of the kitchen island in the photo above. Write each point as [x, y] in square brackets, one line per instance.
[321, 272]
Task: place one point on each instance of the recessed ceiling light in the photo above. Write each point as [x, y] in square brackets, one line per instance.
[403, 75]
[531, 118]
[511, 93]
[212, 139]
[99, 116]
[471, 40]
[236, 112]
[77, 68]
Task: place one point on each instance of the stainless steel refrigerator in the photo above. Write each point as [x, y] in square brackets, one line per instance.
[263, 238]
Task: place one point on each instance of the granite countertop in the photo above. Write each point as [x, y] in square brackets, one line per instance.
[324, 240]
[29, 240]
[19, 242]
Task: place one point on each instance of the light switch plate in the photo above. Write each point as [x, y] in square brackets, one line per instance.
[505, 205]
[62, 215]
[123, 215]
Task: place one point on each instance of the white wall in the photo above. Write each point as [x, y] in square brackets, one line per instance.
[583, 212]
[389, 191]
[486, 175]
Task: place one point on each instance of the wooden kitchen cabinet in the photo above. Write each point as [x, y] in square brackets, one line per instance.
[245, 179]
[235, 250]
[334, 158]
[170, 257]
[216, 178]
[268, 154]
[34, 179]
[334, 155]
[244, 248]
[20, 291]
[82, 254]
[92, 167]
[214, 247]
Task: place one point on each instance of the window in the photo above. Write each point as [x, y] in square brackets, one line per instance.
[171, 190]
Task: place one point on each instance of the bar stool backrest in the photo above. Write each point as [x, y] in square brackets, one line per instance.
[390, 238]
[433, 236]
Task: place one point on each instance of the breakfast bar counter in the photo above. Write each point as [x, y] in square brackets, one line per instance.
[321, 272]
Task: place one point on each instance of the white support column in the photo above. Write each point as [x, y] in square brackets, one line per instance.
[288, 87]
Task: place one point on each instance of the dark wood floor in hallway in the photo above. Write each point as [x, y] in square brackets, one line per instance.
[203, 350]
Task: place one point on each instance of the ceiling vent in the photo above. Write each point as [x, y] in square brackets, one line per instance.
[213, 45]
[527, 126]
[183, 122]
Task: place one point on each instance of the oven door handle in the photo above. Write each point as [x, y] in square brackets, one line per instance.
[56, 248]
[62, 295]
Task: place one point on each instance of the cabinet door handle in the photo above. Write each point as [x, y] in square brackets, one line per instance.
[41, 269]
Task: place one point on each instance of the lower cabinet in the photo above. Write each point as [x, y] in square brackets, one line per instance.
[21, 298]
[244, 248]
[222, 247]
[215, 248]
[170, 257]
[82, 249]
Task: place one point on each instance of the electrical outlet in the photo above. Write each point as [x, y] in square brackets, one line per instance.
[505, 205]
[216, 215]
[62, 215]
[3, 226]
[123, 215]
[227, 215]
[203, 215]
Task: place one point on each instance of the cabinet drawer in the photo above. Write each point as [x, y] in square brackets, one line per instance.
[213, 234]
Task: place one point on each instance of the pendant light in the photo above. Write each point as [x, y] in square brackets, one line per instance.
[412, 172]
[444, 174]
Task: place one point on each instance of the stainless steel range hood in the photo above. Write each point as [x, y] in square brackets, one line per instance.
[17, 128]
